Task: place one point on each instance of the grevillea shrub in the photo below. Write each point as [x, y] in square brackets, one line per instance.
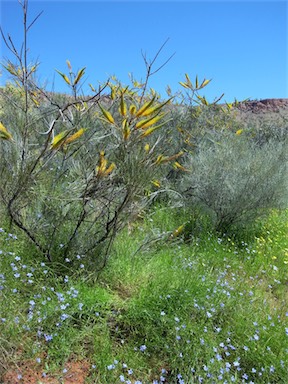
[76, 168]
[75, 171]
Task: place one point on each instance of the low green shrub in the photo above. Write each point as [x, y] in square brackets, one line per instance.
[234, 180]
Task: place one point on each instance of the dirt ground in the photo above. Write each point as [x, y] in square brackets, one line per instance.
[29, 372]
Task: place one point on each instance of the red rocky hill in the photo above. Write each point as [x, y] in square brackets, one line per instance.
[257, 113]
[263, 106]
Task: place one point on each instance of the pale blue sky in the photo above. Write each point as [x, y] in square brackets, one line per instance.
[241, 45]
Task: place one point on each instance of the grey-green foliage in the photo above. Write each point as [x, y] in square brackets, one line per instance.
[74, 168]
[235, 180]
[64, 198]
[266, 129]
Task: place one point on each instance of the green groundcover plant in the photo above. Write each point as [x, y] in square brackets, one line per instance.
[209, 311]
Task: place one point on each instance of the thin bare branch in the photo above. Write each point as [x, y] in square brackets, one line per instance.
[159, 51]
[37, 17]
[9, 44]
[14, 50]
[163, 65]
[4, 38]
[149, 65]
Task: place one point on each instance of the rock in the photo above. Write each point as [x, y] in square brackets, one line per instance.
[263, 106]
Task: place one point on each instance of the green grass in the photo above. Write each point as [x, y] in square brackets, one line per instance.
[211, 308]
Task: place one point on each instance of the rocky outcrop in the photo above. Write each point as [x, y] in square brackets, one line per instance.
[263, 106]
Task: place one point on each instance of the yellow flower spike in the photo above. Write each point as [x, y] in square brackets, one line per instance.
[4, 134]
[79, 75]
[239, 132]
[102, 164]
[33, 68]
[188, 79]
[68, 65]
[113, 92]
[165, 159]
[148, 122]
[102, 169]
[107, 115]
[75, 136]
[92, 88]
[132, 109]
[202, 99]
[156, 183]
[147, 147]
[123, 106]
[126, 129]
[35, 101]
[154, 109]
[152, 129]
[64, 77]
[145, 106]
[159, 160]
[170, 158]
[136, 84]
[204, 83]
[184, 85]
[102, 160]
[179, 166]
[10, 69]
[58, 140]
[178, 231]
[111, 167]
